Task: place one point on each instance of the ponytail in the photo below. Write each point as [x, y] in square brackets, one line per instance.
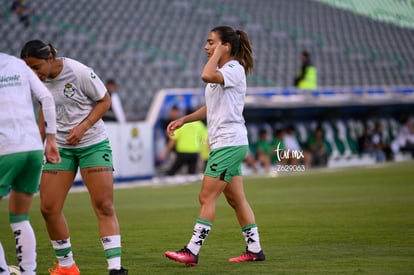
[245, 53]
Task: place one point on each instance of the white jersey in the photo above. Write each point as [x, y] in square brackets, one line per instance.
[18, 128]
[76, 90]
[225, 103]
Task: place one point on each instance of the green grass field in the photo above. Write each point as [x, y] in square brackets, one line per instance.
[351, 221]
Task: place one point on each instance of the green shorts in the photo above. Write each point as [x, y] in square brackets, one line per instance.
[20, 172]
[99, 154]
[226, 162]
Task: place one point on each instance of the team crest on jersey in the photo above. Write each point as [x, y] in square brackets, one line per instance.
[69, 90]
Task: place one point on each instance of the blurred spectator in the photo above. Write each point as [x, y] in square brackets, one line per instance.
[23, 11]
[404, 142]
[294, 153]
[116, 112]
[365, 145]
[205, 152]
[318, 147]
[380, 143]
[173, 114]
[263, 150]
[306, 78]
[188, 142]
[250, 160]
[162, 142]
[277, 145]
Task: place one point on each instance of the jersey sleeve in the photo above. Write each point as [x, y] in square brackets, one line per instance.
[42, 94]
[232, 74]
[91, 84]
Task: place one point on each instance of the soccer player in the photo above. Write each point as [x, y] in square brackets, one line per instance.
[81, 101]
[230, 59]
[21, 151]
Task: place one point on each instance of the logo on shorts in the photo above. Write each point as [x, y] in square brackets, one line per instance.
[106, 157]
[69, 90]
[213, 167]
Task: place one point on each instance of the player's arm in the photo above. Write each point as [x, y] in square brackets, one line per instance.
[170, 145]
[41, 123]
[47, 112]
[210, 73]
[95, 89]
[46, 117]
[101, 107]
[199, 114]
[77, 133]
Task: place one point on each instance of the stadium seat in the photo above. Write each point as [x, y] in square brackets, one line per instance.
[169, 35]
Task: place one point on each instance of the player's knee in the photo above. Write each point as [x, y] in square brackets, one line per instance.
[236, 201]
[48, 211]
[205, 198]
[232, 202]
[105, 208]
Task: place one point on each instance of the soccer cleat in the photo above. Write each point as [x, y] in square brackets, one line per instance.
[59, 270]
[184, 256]
[249, 257]
[121, 271]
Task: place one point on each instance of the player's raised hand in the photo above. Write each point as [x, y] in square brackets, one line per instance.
[221, 49]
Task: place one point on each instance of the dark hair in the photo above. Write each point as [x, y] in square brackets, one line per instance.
[175, 107]
[111, 81]
[38, 49]
[241, 48]
[262, 132]
[305, 54]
